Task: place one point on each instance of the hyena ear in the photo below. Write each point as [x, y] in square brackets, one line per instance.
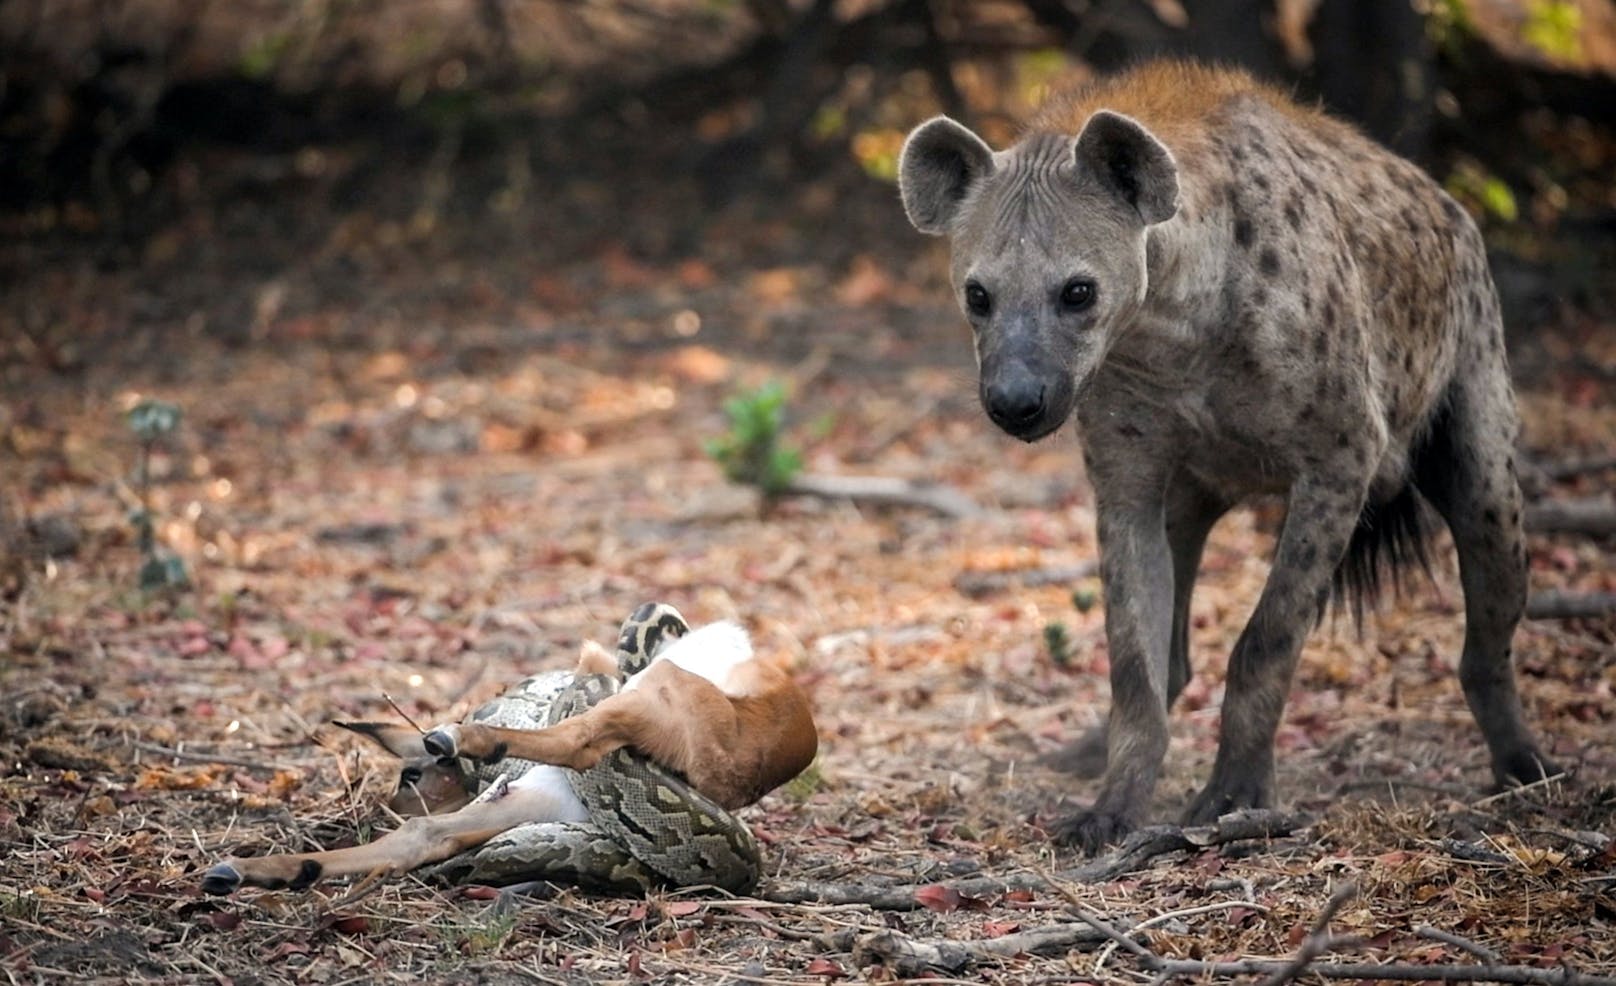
[403, 742]
[1131, 162]
[940, 162]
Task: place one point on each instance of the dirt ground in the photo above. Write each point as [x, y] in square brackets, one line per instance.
[421, 466]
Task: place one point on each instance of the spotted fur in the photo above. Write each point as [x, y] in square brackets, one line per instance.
[1237, 295]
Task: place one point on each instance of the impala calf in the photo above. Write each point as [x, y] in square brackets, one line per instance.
[734, 725]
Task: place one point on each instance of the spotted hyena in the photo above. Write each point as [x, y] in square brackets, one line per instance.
[1238, 295]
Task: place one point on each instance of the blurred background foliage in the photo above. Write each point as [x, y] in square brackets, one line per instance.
[139, 134]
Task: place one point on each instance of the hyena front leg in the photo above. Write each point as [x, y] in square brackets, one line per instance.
[1191, 514]
[1136, 567]
[1320, 515]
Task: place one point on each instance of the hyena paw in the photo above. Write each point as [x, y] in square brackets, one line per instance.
[1524, 766]
[443, 742]
[1092, 829]
[1220, 798]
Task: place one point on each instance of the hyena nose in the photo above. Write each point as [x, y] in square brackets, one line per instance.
[1014, 398]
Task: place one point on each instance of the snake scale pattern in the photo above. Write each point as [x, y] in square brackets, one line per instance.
[647, 826]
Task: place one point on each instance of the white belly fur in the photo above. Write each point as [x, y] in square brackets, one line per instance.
[713, 652]
[550, 782]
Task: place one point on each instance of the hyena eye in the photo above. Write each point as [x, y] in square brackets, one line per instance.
[1078, 294]
[977, 300]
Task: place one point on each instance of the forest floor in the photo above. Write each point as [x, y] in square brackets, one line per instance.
[420, 463]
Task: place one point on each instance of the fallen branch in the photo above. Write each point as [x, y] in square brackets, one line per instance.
[1572, 468]
[1279, 971]
[1135, 852]
[977, 584]
[891, 490]
[909, 957]
[1595, 517]
[1178, 915]
[1556, 604]
[1402, 972]
[1481, 952]
[203, 757]
[1318, 941]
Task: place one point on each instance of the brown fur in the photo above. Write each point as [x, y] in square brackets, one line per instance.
[731, 748]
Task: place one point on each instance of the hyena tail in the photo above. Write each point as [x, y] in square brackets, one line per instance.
[1392, 536]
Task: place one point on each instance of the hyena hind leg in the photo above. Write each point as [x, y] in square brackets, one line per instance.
[1191, 514]
[1467, 471]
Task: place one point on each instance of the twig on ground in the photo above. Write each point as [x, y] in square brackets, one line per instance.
[1282, 970]
[978, 584]
[1557, 604]
[890, 490]
[1135, 852]
[1318, 940]
[1093, 919]
[908, 957]
[1515, 792]
[1572, 468]
[1594, 517]
[1481, 952]
[220, 758]
[1402, 972]
[1111, 946]
[1469, 852]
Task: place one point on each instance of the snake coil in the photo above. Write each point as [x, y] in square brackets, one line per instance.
[647, 827]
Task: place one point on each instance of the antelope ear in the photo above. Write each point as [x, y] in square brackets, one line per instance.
[940, 162]
[1131, 162]
[403, 742]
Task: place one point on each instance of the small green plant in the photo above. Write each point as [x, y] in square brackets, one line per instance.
[479, 938]
[22, 905]
[1058, 642]
[153, 421]
[751, 452]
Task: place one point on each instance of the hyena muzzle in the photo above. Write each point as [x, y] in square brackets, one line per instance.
[1237, 295]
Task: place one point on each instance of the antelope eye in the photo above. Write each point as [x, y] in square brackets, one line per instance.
[1077, 294]
[977, 300]
[409, 775]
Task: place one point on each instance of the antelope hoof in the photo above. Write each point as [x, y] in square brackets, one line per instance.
[221, 880]
[443, 742]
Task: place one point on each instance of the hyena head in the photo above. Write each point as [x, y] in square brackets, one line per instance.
[1048, 245]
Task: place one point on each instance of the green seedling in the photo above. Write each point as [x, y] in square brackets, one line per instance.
[152, 422]
[751, 452]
